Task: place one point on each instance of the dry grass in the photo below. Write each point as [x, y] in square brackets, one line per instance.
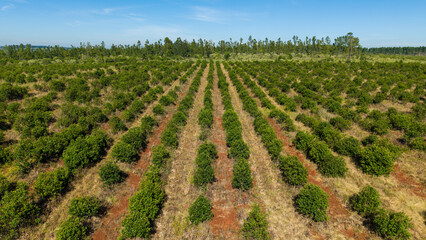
[86, 183]
[181, 193]
[395, 195]
[274, 196]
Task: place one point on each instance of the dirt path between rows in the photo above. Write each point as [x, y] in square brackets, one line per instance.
[396, 192]
[90, 185]
[276, 197]
[109, 228]
[340, 221]
[230, 206]
[181, 193]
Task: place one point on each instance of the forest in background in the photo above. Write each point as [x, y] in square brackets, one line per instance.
[344, 45]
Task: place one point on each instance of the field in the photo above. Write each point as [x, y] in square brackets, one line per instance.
[302, 148]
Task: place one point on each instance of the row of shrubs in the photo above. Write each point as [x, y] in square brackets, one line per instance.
[170, 135]
[279, 115]
[146, 204]
[21, 208]
[204, 173]
[238, 149]
[133, 141]
[205, 117]
[377, 158]
[311, 201]
[387, 224]
[80, 210]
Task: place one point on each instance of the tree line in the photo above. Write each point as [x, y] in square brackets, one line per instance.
[344, 45]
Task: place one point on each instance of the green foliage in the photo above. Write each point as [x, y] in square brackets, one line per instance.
[135, 137]
[116, 124]
[5, 155]
[160, 155]
[84, 207]
[85, 151]
[376, 160]
[137, 225]
[169, 137]
[340, 123]
[17, 209]
[5, 185]
[208, 148]
[367, 201]
[242, 175]
[205, 117]
[313, 202]
[200, 210]
[72, 229]
[148, 123]
[390, 225]
[124, 152]
[158, 109]
[293, 171]
[111, 174]
[51, 184]
[239, 150]
[256, 225]
[348, 146]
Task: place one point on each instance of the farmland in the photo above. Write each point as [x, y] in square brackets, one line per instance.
[212, 148]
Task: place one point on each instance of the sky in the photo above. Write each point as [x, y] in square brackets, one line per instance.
[377, 23]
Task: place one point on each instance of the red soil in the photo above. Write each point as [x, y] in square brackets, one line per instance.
[110, 225]
[415, 187]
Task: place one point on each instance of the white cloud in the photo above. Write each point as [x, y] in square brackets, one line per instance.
[7, 6]
[212, 15]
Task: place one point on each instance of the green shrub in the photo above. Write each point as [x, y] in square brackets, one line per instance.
[5, 155]
[367, 201]
[125, 152]
[313, 202]
[158, 109]
[148, 123]
[50, 184]
[256, 225]
[72, 229]
[84, 207]
[242, 175]
[127, 115]
[17, 209]
[340, 123]
[150, 197]
[57, 85]
[136, 225]
[135, 137]
[208, 148]
[371, 139]
[333, 167]
[418, 143]
[116, 124]
[293, 171]
[85, 151]
[169, 137]
[205, 118]
[239, 150]
[5, 185]
[110, 174]
[200, 210]
[159, 155]
[376, 160]
[203, 175]
[348, 146]
[390, 225]
[166, 100]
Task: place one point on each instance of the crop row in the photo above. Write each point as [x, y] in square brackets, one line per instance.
[311, 200]
[145, 205]
[238, 149]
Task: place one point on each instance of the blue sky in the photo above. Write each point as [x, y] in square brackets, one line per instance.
[66, 23]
